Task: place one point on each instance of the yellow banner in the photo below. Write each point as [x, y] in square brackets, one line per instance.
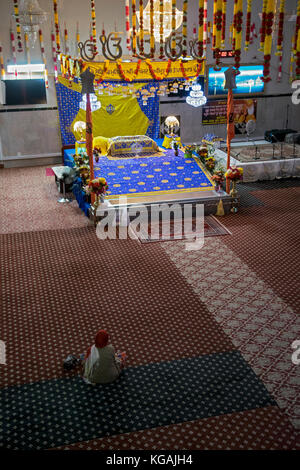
[141, 70]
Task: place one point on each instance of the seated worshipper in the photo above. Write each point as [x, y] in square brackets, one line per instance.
[101, 364]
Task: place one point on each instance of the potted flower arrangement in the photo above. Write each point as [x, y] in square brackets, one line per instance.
[188, 151]
[218, 178]
[234, 174]
[210, 163]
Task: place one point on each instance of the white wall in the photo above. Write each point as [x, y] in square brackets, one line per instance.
[37, 132]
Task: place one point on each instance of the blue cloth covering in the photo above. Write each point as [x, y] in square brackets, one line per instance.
[156, 175]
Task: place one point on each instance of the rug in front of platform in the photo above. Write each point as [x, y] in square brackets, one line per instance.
[187, 229]
[166, 174]
[61, 411]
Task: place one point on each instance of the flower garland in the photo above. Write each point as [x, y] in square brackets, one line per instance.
[217, 28]
[56, 25]
[133, 27]
[152, 39]
[184, 28]
[205, 25]
[173, 42]
[297, 42]
[19, 37]
[200, 28]
[127, 25]
[13, 48]
[122, 74]
[280, 38]
[44, 57]
[2, 68]
[161, 29]
[199, 68]
[223, 33]
[77, 38]
[159, 77]
[237, 31]
[54, 55]
[248, 24]
[262, 30]
[27, 48]
[268, 40]
[66, 39]
[141, 27]
[94, 32]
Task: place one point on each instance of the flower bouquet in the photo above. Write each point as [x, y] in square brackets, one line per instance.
[210, 163]
[234, 174]
[188, 151]
[97, 186]
[218, 178]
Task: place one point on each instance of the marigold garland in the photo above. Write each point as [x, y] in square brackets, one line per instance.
[161, 29]
[43, 57]
[237, 31]
[54, 56]
[13, 48]
[94, 32]
[19, 37]
[223, 33]
[297, 42]
[200, 28]
[205, 24]
[173, 42]
[262, 30]
[268, 39]
[27, 48]
[141, 27]
[184, 28]
[248, 24]
[66, 39]
[122, 74]
[56, 25]
[152, 39]
[217, 28]
[127, 25]
[133, 27]
[280, 38]
[77, 38]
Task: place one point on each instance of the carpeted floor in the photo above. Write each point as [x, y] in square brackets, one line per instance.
[208, 333]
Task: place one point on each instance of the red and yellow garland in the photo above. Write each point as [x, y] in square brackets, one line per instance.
[237, 31]
[161, 29]
[184, 28]
[217, 28]
[133, 27]
[141, 27]
[268, 39]
[201, 28]
[56, 25]
[263, 25]
[248, 24]
[173, 42]
[297, 42]
[19, 37]
[152, 39]
[94, 32]
[223, 34]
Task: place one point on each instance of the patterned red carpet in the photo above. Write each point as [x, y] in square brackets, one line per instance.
[164, 306]
[28, 202]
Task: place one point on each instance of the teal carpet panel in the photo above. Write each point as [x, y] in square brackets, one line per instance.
[65, 410]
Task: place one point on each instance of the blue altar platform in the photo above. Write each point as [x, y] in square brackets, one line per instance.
[145, 175]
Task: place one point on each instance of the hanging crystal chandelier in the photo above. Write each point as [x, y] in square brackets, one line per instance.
[196, 97]
[31, 16]
[167, 18]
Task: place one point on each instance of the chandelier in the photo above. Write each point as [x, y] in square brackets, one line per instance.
[167, 19]
[31, 16]
[196, 97]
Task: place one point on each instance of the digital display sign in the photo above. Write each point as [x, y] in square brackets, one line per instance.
[248, 81]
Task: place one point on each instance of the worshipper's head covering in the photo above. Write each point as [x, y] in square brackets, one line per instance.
[101, 339]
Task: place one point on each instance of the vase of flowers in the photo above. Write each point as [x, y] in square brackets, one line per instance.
[234, 174]
[218, 178]
[188, 151]
[97, 186]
